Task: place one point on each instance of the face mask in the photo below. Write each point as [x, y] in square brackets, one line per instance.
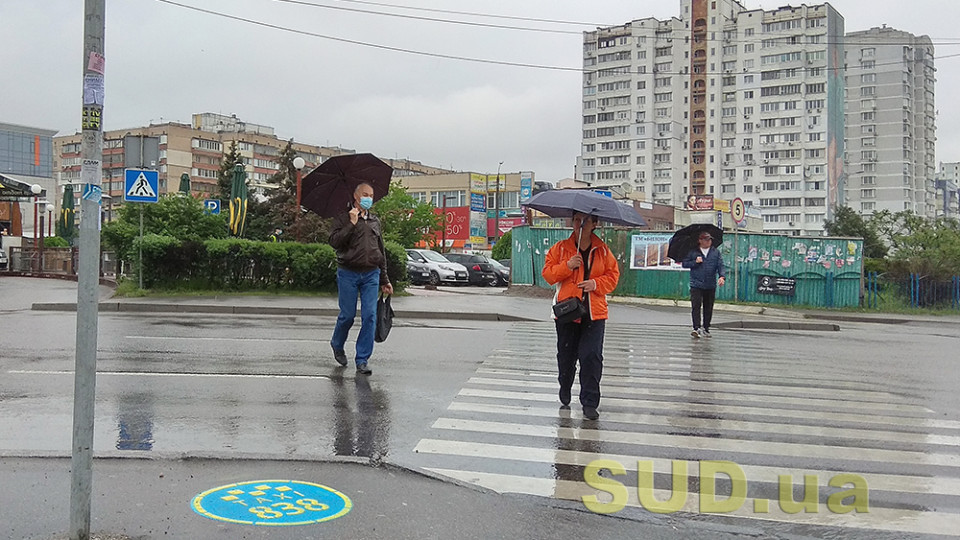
[366, 202]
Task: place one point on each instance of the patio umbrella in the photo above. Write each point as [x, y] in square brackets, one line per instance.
[686, 240]
[238, 200]
[185, 183]
[565, 202]
[328, 189]
[67, 222]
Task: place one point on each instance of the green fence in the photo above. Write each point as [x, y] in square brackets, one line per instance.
[824, 272]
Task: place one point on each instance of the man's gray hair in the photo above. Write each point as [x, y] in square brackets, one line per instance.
[360, 185]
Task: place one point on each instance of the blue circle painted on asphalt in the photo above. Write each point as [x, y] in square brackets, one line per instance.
[272, 502]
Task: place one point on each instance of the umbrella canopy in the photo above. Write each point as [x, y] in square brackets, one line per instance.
[328, 189]
[238, 200]
[66, 224]
[687, 239]
[566, 202]
[184, 183]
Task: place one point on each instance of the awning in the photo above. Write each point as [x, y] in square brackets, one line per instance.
[14, 190]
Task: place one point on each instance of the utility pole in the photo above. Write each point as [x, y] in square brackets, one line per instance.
[88, 283]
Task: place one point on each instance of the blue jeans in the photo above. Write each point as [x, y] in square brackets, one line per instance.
[350, 285]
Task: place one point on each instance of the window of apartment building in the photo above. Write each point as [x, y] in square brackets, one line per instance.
[868, 155]
[769, 107]
[664, 127]
[868, 129]
[641, 160]
[589, 133]
[814, 137]
[662, 112]
[868, 52]
[868, 78]
[206, 145]
[868, 91]
[816, 88]
[748, 48]
[729, 81]
[789, 169]
[789, 121]
[770, 170]
[661, 173]
[663, 67]
[815, 201]
[792, 201]
[868, 116]
[790, 137]
[590, 119]
[868, 180]
[589, 148]
[728, 111]
[868, 206]
[661, 82]
[868, 193]
[770, 203]
[868, 141]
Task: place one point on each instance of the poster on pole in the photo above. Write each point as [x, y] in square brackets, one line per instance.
[478, 209]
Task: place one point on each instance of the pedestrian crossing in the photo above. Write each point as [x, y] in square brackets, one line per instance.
[798, 432]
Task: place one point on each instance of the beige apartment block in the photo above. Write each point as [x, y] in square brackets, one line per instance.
[198, 149]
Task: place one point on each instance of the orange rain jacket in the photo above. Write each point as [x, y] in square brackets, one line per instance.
[603, 269]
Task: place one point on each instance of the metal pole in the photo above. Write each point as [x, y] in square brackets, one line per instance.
[85, 373]
[140, 250]
[443, 241]
[496, 206]
[297, 219]
[736, 263]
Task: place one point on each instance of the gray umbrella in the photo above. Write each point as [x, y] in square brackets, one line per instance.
[566, 202]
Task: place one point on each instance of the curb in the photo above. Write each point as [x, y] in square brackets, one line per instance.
[781, 325]
[115, 307]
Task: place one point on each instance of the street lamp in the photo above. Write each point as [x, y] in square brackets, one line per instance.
[50, 209]
[298, 164]
[496, 206]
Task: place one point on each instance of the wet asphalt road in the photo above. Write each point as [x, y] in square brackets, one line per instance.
[475, 401]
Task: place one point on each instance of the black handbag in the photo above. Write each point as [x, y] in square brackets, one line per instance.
[384, 319]
[569, 310]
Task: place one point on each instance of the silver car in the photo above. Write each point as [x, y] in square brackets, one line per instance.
[441, 269]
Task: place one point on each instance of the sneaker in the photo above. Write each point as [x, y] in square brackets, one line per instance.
[565, 397]
[362, 369]
[340, 357]
[705, 333]
[695, 333]
[590, 413]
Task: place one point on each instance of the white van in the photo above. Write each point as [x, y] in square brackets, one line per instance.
[441, 270]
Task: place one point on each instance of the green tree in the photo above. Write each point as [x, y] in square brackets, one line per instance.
[276, 207]
[406, 221]
[503, 249]
[919, 245]
[225, 176]
[174, 215]
[847, 222]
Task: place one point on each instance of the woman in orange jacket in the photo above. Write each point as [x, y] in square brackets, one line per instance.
[588, 271]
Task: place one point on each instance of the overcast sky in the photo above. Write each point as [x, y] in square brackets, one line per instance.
[164, 63]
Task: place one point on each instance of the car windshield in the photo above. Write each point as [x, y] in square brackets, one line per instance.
[496, 264]
[434, 256]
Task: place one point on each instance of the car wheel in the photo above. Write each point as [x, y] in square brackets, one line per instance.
[434, 278]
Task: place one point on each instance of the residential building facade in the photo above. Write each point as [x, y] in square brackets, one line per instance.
[720, 101]
[891, 122]
[948, 191]
[198, 150]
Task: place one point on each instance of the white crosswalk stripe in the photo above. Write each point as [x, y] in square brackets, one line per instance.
[733, 398]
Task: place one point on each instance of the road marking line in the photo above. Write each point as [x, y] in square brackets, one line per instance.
[754, 473]
[690, 408]
[158, 374]
[885, 519]
[794, 450]
[723, 425]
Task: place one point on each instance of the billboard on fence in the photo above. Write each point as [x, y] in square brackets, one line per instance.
[649, 250]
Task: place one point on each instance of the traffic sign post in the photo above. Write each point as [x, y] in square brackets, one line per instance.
[739, 213]
[212, 206]
[143, 186]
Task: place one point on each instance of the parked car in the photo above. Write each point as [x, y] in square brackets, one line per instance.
[441, 269]
[502, 272]
[417, 272]
[505, 262]
[479, 267]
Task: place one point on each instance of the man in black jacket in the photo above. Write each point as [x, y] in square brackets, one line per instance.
[361, 267]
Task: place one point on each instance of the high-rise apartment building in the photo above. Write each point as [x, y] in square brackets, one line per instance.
[891, 122]
[723, 101]
[948, 191]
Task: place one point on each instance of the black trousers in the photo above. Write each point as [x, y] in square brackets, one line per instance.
[705, 298]
[584, 342]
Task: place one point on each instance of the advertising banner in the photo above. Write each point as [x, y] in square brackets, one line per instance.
[649, 250]
[478, 209]
[526, 186]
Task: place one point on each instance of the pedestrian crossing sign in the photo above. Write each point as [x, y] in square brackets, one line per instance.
[141, 185]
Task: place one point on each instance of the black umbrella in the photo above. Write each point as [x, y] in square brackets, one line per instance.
[565, 202]
[328, 189]
[687, 239]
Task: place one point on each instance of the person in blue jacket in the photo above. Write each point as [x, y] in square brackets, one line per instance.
[705, 263]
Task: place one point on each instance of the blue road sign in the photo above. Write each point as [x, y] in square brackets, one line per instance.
[212, 206]
[604, 192]
[272, 502]
[141, 185]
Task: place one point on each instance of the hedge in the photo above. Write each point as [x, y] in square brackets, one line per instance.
[247, 265]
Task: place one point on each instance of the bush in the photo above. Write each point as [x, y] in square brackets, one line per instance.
[396, 264]
[503, 248]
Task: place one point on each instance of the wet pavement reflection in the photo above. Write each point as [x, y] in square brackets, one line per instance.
[361, 418]
[135, 421]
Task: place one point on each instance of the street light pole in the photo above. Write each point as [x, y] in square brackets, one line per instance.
[496, 206]
[298, 164]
